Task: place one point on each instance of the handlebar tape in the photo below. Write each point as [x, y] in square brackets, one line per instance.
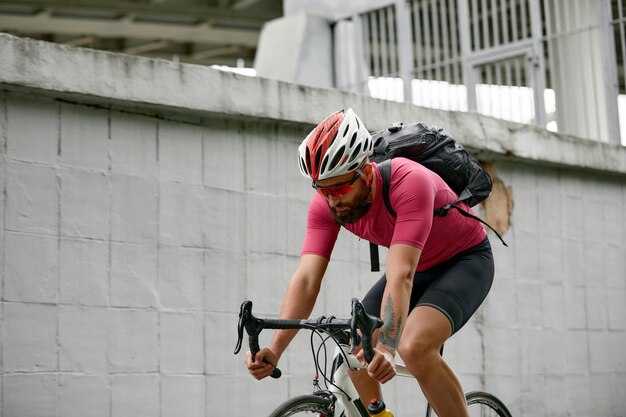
[254, 349]
[368, 350]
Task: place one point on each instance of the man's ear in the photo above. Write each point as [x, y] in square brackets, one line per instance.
[368, 171]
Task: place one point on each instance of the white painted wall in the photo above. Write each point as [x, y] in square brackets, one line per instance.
[133, 224]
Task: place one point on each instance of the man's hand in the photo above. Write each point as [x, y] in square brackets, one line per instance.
[382, 367]
[263, 366]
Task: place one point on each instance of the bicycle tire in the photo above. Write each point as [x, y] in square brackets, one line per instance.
[480, 404]
[483, 404]
[304, 405]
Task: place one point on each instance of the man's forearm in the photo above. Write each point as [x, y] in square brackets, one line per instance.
[394, 313]
[401, 263]
[298, 303]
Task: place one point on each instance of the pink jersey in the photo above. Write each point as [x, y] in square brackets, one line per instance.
[414, 193]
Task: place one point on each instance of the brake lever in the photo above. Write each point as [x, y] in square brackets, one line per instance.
[244, 316]
[354, 335]
[253, 327]
[366, 324]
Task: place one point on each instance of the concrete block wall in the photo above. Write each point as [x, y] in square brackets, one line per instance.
[548, 317]
[132, 227]
[128, 256]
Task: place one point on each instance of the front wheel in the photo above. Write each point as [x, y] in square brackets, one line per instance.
[483, 404]
[305, 405]
[480, 404]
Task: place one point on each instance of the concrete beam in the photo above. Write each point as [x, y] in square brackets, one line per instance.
[215, 52]
[128, 28]
[147, 47]
[243, 4]
[81, 40]
[164, 87]
[171, 9]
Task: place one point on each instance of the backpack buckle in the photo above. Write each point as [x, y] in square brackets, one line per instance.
[395, 127]
[443, 211]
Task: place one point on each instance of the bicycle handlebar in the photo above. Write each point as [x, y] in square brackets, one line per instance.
[359, 320]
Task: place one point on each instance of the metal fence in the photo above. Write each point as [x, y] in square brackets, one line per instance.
[555, 63]
[618, 32]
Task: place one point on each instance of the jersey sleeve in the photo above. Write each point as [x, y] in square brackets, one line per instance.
[321, 229]
[412, 196]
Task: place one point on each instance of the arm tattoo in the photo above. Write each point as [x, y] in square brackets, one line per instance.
[392, 329]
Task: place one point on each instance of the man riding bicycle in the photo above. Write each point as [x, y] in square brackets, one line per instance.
[438, 269]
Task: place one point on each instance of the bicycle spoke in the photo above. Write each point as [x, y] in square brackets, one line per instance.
[306, 405]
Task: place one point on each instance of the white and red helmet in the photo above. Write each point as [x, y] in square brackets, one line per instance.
[337, 146]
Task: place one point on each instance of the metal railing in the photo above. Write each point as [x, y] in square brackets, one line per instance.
[549, 62]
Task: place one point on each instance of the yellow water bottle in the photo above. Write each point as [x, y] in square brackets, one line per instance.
[377, 408]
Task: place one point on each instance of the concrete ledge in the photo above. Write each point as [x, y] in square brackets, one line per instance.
[168, 88]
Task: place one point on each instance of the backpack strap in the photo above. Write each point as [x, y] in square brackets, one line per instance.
[385, 173]
[374, 259]
[441, 212]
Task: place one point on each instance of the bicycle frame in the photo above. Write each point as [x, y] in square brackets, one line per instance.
[342, 387]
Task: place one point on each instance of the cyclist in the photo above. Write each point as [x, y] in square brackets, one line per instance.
[438, 269]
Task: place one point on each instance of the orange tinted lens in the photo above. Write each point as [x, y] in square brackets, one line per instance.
[338, 191]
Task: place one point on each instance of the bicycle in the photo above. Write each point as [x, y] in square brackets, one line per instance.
[340, 398]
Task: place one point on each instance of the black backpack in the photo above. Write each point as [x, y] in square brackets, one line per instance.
[439, 152]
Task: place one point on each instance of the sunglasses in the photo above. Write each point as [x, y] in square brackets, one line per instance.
[338, 190]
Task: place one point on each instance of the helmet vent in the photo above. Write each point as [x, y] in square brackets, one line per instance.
[337, 158]
[345, 131]
[352, 140]
[308, 159]
[318, 134]
[318, 156]
[303, 166]
[355, 153]
[353, 167]
[324, 163]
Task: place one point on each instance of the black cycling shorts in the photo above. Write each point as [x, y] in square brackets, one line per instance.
[456, 287]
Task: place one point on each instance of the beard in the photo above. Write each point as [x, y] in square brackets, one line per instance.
[356, 210]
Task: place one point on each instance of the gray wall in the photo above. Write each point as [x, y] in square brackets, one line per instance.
[144, 200]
